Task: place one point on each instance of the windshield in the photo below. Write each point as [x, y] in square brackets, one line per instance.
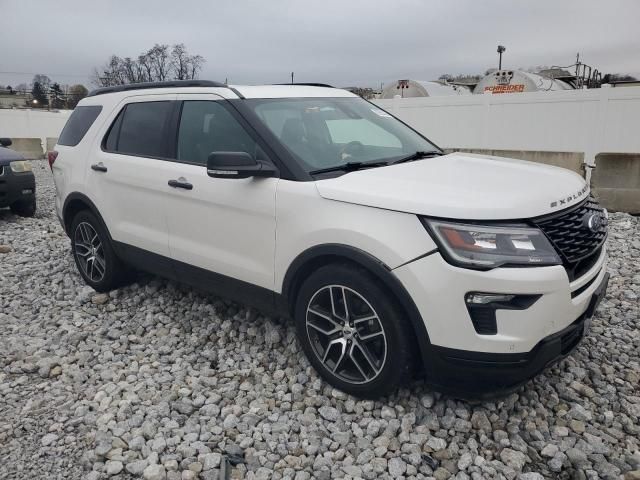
[328, 132]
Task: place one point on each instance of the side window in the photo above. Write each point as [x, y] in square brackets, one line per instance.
[79, 124]
[111, 142]
[207, 126]
[140, 129]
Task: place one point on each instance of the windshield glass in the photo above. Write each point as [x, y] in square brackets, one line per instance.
[327, 132]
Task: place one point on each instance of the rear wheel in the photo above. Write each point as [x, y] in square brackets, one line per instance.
[24, 209]
[94, 256]
[352, 331]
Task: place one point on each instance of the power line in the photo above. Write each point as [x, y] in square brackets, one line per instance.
[47, 74]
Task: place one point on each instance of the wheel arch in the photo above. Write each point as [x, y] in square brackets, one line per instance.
[75, 203]
[311, 259]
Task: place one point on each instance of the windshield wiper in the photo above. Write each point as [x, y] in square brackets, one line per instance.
[416, 156]
[348, 167]
[352, 166]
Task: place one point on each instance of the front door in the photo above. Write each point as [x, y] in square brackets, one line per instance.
[220, 230]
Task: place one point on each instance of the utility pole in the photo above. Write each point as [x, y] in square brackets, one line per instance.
[501, 49]
[291, 78]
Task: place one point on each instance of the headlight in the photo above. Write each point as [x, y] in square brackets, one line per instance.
[485, 247]
[20, 166]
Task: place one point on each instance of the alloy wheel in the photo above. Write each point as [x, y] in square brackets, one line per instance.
[89, 252]
[346, 334]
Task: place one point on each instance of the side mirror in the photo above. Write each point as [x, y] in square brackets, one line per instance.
[237, 165]
[5, 142]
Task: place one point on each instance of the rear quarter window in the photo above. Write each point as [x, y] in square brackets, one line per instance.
[140, 129]
[78, 124]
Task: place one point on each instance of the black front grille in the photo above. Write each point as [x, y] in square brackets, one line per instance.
[578, 244]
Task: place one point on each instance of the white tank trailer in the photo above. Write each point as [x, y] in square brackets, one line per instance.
[421, 88]
[518, 81]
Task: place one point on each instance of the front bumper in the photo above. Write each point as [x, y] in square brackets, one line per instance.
[475, 374]
[12, 186]
[466, 363]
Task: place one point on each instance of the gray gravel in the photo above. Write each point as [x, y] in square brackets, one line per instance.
[157, 381]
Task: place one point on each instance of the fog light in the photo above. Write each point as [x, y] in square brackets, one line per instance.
[482, 308]
[484, 298]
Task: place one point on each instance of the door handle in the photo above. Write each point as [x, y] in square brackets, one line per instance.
[99, 167]
[180, 184]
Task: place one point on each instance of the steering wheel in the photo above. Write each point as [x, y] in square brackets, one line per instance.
[350, 150]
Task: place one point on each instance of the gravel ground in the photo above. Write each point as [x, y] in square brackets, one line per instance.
[157, 381]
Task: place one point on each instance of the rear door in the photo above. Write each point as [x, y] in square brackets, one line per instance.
[128, 176]
[221, 226]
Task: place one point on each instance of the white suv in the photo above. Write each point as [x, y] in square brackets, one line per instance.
[392, 258]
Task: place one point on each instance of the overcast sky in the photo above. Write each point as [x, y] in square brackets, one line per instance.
[342, 42]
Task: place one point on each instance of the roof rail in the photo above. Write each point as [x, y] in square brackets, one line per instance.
[307, 84]
[145, 85]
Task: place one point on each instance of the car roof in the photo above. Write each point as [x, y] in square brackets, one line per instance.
[118, 92]
[290, 91]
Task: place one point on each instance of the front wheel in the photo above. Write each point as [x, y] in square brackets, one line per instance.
[352, 331]
[94, 256]
[24, 209]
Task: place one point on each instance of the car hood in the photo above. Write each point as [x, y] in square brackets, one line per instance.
[7, 155]
[461, 186]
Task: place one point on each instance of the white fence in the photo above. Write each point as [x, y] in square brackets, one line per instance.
[40, 124]
[604, 120]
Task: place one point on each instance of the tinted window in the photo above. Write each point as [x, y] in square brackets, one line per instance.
[205, 127]
[78, 124]
[111, 143]
[143, 129]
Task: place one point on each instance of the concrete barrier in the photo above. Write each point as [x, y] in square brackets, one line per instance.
[31, 148]
[51, 143]
[615, 181]
[570, 160]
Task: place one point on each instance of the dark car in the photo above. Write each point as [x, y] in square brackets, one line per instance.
[17, 182]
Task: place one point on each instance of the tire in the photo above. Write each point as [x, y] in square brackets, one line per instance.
[336, 348]
[24, 209]
[93, 253]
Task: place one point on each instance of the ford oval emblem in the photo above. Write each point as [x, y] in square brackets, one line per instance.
[593, 221]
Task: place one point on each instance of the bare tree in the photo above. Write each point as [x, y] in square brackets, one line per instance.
[76, 93]
[132, 70]
[112, 73]
[180, 62]
[160, 62]
[145, 65]
[157, 64]
[195, 66]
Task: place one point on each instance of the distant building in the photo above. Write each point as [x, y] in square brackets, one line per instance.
[518, 81]
[421, 88]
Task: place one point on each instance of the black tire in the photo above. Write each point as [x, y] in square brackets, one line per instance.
[101, 276]
[363, 292]
[24, 209]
